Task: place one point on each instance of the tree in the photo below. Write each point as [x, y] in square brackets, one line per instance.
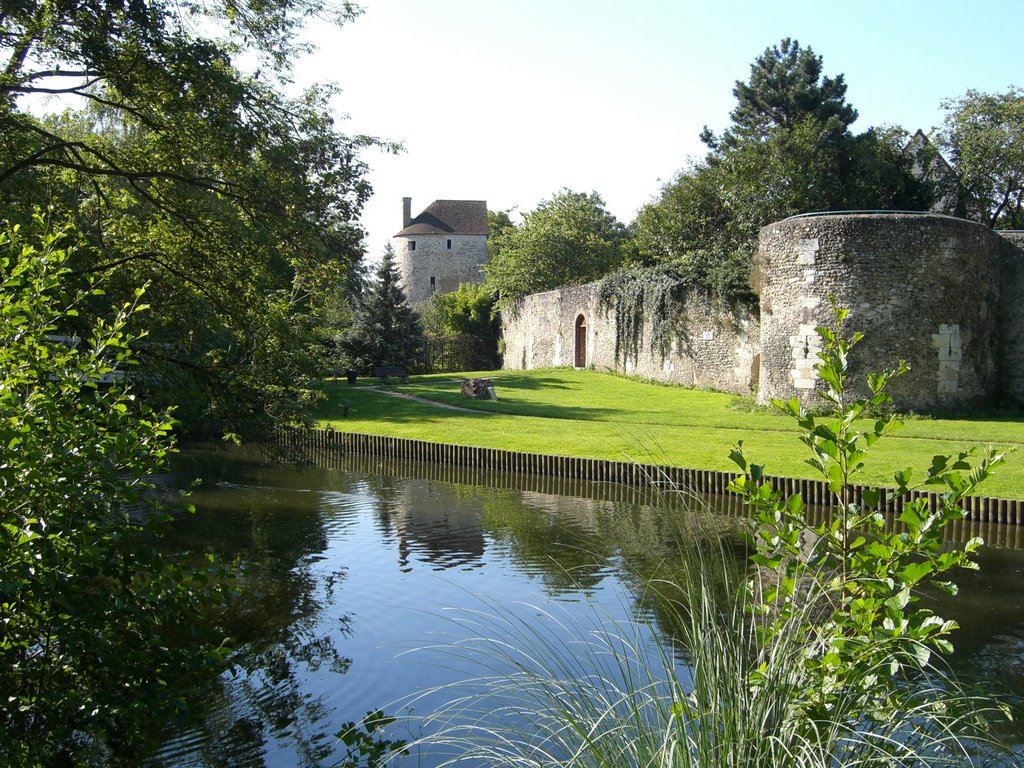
[497, 223]
[102, 635]
[693, 232]
[237, 205]
[386, 331]
[983, 135]
[789, 151]
[867, 630]
[811, 168]
[568, 240]
[786, 86]
[463, 327]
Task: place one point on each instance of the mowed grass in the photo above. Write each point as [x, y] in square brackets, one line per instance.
[570, 412]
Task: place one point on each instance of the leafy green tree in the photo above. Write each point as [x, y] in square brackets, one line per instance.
[983, 135]
[101, 634]
[498, 222]
[469, 309]
[568, 240]
[867, 630]
[809, 167]
[693, 233]
[386, 330]
[236, 204]
[466, 326]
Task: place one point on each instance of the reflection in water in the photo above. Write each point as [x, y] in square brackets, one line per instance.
[435, 524]
[353, 561]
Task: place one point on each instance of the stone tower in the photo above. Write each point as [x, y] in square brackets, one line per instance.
[921, 287]
[443, 246]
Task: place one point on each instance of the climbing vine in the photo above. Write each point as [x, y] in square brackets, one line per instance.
[640, 294]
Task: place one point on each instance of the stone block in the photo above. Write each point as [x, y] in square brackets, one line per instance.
[478, 389]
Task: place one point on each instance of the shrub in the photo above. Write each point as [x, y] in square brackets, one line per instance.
[873, 632]
[102, 636]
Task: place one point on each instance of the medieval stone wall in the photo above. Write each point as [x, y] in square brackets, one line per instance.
[944, 294]
[539, 331]
[714, 348]
[919, 287]
[432, 267]
[1010, 358]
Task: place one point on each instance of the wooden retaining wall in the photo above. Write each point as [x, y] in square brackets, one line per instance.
[701, 481]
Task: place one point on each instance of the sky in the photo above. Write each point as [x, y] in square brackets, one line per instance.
[510, 102]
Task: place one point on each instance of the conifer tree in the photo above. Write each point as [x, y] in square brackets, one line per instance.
[386, 331]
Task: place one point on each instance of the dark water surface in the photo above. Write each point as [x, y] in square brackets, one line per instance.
[362, 574]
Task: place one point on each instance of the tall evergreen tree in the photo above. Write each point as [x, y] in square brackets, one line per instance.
[786, 87]
[788, 151]
[386, 331]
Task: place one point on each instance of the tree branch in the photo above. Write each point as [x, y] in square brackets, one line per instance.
[107, 166]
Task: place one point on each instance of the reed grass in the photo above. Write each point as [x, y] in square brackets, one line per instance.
[708, 695]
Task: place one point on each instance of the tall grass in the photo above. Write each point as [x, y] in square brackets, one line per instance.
[712, 695]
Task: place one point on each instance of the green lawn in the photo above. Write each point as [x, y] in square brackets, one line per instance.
[584, 413]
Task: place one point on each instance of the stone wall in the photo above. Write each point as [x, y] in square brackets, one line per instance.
[714, 349]
[944, 294]
[1011, 317]
[920, 287]
[434, 268]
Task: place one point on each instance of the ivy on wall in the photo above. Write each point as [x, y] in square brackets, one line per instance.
[638, 295]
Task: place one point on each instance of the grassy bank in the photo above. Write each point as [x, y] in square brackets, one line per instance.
[584, 413]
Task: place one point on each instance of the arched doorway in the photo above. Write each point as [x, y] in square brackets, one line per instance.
[581, 342]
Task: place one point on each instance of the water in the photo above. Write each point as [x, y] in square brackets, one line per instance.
[363, 578]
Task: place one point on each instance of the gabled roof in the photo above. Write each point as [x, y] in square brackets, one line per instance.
[929, 164]
[916, 146]
[453, 217]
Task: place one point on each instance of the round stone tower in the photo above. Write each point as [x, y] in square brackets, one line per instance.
[920, 287]
[443, 246]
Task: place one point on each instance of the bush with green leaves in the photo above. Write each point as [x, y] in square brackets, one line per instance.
[462, 329]
[869, 632]
[102, 636]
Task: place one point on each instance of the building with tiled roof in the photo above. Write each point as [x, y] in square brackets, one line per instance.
[443, 246]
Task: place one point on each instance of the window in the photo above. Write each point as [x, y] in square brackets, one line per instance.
[449, 244]
[431, 283]
[412, 245]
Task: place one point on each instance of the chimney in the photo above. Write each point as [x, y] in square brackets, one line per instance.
[406, 211]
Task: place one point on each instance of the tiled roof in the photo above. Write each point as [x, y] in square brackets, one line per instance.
[458, 217]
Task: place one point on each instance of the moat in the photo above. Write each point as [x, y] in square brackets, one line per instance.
[359, 578]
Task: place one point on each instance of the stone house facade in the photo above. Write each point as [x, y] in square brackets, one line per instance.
[443, 246]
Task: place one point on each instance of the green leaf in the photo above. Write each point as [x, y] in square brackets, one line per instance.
[912, 573]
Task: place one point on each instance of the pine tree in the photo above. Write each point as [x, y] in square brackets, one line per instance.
[387, 331]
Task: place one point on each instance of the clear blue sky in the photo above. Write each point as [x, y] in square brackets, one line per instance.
[511, 101]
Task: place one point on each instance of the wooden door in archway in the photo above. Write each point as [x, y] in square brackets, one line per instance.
[581, 342]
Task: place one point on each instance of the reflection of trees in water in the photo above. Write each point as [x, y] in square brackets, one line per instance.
[570, 543]
[279, 619]
[434, 523]
[549, 536]
[574, 542]
[437, 524]
[989, 646]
